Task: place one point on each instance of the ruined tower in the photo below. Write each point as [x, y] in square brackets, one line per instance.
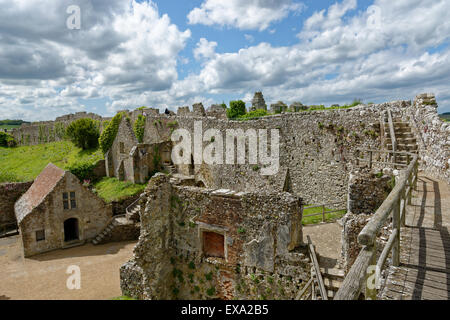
[258, 102]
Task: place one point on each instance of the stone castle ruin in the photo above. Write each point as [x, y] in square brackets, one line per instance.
[227, 231]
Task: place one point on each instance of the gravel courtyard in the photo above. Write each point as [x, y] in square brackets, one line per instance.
[44, 276]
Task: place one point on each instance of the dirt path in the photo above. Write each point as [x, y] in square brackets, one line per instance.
[327, 239]
[44, 276]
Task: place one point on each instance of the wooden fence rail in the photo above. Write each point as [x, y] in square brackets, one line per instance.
[361, 273]
[324, 211]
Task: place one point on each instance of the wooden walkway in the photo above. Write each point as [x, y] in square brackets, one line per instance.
[424, 272]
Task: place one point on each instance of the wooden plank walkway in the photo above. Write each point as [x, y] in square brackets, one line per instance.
[424, 272]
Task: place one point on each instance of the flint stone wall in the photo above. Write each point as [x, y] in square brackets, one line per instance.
[262, 239]
[9, 194]
[367, 192]
[433, 136]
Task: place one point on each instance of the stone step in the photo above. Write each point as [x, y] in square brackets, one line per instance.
[402, 146]
[403, 140]
[397, 124]
[332, 284]
[334, 273]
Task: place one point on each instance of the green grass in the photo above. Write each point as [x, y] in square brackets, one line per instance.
[111, 189]
[318, 219]
[123, 298]
[26, 162]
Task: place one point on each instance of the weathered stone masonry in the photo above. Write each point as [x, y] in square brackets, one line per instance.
[9, 194]
[202, 243]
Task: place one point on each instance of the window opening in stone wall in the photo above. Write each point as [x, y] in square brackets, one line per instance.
[122, 147]
[213, 244]
[40, 235]
[69, 202]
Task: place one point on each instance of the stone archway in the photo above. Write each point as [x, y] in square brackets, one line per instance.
[71, 230]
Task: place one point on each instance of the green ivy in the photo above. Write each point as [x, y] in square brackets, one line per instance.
[110, 132]
[139, 127]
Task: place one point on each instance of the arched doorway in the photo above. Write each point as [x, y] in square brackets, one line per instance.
[71, 231]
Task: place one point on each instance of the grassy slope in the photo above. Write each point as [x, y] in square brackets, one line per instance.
[25, 163]
[111, 189]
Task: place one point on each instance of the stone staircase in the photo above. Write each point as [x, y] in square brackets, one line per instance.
[107, 230]
[170, 168]
[406, 141]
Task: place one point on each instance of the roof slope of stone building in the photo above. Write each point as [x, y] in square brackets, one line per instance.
[42, 186]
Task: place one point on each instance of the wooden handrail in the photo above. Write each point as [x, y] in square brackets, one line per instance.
[395, 205]
[312, 252]
[392, 133]
[370, 231]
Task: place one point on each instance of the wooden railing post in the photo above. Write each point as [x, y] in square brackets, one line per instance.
[410, 184]
[396, 226]
[323, 213]
[370, 288]
[403, 204]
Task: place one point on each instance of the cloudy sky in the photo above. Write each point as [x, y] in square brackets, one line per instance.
[171, 53]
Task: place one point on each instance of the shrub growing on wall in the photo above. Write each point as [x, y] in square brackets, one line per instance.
[83, 170]
[83, 133]
[110, 132]
[7, 140]
[138, 127]
[237, 108]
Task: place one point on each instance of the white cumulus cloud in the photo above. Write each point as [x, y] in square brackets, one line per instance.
[243, 14]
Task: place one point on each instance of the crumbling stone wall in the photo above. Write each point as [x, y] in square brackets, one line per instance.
[352, 226]
[433, 136]
[9, 194]
[50, 131]
[367, 191]
[263, 255]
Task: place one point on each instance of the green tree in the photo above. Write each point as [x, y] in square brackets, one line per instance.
[237, 109]
[7, 140]
[84, 133]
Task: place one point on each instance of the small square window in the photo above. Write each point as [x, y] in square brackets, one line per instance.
[65, 195]
[213, 244]
[73, 204]
[40, 235]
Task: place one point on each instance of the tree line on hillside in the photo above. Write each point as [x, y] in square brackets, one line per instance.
[12, 122]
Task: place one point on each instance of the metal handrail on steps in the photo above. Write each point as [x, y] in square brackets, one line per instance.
[131, 206]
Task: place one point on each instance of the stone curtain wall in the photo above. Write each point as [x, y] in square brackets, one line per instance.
[260, 233]
[50, 131]
[317, 148]
[9, 194]
[433, 137]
